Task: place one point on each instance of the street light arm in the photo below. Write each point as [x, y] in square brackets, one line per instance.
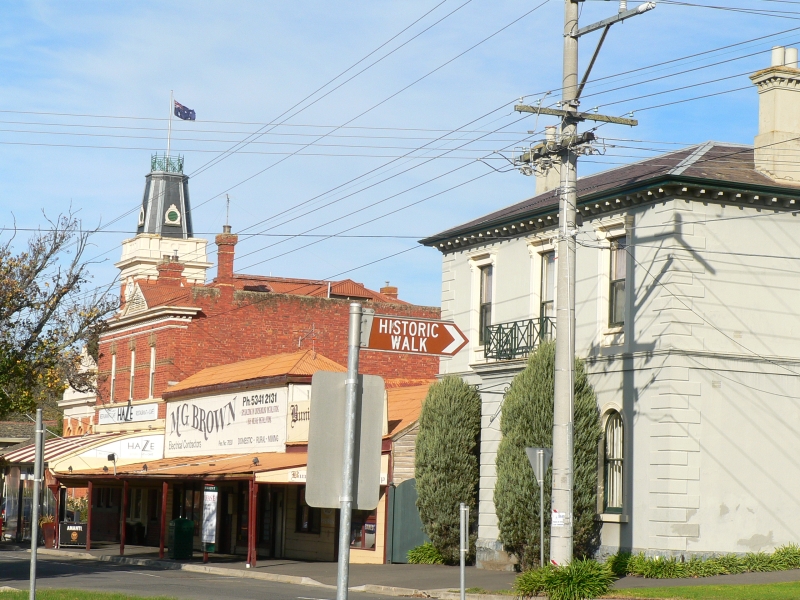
[642, 8]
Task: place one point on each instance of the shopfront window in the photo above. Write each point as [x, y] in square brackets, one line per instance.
[364, 529]
[308, 519]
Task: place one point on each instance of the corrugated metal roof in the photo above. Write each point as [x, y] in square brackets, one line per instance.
[58, 447]
[305, 362]
[200, 466]
[405, 405]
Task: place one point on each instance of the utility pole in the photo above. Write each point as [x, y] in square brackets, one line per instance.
[567, 148]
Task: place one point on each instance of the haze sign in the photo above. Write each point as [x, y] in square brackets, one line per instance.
[389, 333]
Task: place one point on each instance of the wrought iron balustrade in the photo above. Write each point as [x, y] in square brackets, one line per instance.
[517, 339]
[167, 164]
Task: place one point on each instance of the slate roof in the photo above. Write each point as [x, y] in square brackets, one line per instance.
[298, 364]
[727, 164]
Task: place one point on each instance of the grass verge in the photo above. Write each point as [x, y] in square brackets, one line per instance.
[44, 594]
[769, 591]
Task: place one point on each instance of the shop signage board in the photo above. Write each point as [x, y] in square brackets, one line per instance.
[72, 534]
[115, 415]
[141, 447]
[409, 335]
[299, 414]
[208, 534]
[240, 423]
[326, 441]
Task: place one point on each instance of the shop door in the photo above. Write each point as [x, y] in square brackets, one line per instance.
[266, 522]
[279, 510]
[227, 506]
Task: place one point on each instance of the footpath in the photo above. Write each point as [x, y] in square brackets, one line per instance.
[421, 581]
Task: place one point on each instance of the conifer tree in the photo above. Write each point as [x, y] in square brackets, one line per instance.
[446, 462]
[527, 421]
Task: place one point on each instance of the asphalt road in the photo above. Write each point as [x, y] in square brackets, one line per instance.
[56, 572]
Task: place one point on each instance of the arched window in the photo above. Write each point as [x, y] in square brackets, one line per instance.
[613, 464]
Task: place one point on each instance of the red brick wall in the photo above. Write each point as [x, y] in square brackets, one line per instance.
[245, 325]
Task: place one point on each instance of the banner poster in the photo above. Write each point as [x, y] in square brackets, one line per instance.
[241, 423]
[114, 415]
[209, 531]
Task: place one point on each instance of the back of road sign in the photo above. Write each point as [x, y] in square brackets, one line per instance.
[540, 461]
[326, 441]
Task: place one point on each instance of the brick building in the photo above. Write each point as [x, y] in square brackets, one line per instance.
[172, 323]
[173, 328]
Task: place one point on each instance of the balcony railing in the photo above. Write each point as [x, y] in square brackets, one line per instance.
[168, 164]
[517, 339]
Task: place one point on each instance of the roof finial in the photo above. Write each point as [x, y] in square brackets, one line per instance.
[227, 227]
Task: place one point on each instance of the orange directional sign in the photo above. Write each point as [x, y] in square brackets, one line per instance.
[389, 333]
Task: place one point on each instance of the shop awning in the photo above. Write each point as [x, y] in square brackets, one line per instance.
[57, 448]
[197, 467]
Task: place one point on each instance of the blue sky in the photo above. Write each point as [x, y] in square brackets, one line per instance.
[241, 65]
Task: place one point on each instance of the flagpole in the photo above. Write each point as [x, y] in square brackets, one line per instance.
[169, 127]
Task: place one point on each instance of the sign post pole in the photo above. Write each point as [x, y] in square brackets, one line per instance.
[540, 461]
[346, 500]
[37, 486]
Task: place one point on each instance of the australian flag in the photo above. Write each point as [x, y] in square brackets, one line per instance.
[187, 114]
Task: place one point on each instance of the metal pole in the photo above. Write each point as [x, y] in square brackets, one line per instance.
[563, 414]
[541, 509]
[169, 127]
[462, 509]
[37, 486]
[346, 500]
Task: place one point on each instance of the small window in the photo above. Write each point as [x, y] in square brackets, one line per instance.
[547, 308]
[363, 530]
[152, 371]
[485, 318]
[113, 376]
[133, 371]
[619, 255]
[613, 464]
[308, 519]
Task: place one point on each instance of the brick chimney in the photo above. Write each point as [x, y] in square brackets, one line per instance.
[389, 290]
[170, 271]
[226, 242]
[778, 141]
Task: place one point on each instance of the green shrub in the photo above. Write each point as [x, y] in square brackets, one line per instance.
[618, 563]
[579, 580]
[663, 568]
[786, 557]
[533, 582]
[758, 562]
[426, 554]
[636, 564]
[733, 564]
[447, 463]
[527, 421]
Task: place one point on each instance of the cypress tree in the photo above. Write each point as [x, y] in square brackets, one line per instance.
[527, 421]
[446, 462]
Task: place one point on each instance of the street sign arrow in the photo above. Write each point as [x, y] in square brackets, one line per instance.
[410, 335]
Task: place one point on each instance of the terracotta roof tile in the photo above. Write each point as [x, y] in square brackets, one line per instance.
[346, 288]
[305, 362]
[161, 295]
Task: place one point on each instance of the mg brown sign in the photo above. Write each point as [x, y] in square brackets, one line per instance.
[409, 335]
